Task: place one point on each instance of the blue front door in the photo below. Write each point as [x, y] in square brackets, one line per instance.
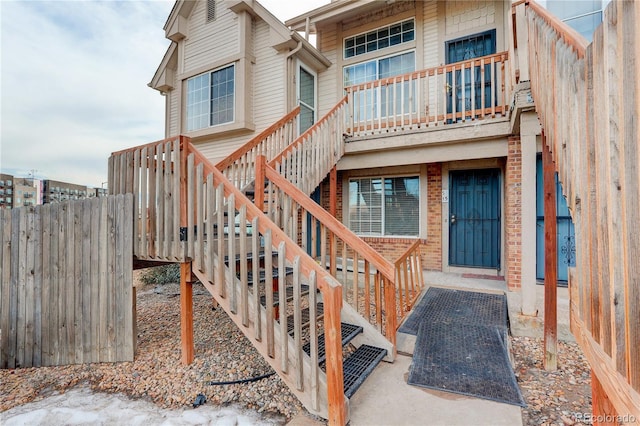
[564, 230]
[474, 218]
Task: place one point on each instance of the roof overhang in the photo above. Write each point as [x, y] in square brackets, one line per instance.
[281, 38]
[164, 78]
[333, 12]
[176, 26]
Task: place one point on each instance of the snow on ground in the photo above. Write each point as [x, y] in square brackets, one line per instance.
[81, 406]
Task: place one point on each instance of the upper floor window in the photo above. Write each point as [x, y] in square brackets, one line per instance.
[390, 35]
[210, 98]
[379, 68]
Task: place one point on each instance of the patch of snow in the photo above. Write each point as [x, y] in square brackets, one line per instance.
[81, 406]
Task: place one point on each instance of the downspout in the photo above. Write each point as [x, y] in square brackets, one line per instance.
[288, 65]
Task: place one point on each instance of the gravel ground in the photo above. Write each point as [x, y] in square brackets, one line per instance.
[561, 397]
[223, 354]
[157, 375]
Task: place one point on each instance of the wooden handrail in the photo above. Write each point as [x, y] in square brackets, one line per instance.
[237, 154]
[568, 34]
[332, 224]
[407, 252]
[454, 66]
[146, 145]
[309, 131]
[278, 234]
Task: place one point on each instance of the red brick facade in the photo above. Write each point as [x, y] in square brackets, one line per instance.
[390, 247]
[513, 197]
[433, 252]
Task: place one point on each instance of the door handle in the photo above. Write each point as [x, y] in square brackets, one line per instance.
[453, 219]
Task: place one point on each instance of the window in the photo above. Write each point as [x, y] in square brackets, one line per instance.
[306, 98]
[374, 101]
[211, 10]
[390, 35]
[384, 206]
[210, 98]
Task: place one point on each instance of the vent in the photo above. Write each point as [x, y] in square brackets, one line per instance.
[211, 10]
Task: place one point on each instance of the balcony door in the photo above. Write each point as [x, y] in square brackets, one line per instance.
[464, 49]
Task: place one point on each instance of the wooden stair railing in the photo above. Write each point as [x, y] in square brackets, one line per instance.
[367, 277]
[409, 279]
[222, 224]
[239, 166]
[308, 159]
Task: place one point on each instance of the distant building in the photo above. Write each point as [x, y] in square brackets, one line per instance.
[24, 193]
[54, 191]
[6, 191]
[582, 16]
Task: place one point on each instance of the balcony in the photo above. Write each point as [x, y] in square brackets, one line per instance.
[469, 91]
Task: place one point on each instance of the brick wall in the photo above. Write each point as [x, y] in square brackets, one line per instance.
[433, 252]
[513, 196]
[390, 247]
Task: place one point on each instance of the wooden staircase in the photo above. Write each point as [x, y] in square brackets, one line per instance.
[322, 319]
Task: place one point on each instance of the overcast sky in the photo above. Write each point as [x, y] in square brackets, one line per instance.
[73, 82]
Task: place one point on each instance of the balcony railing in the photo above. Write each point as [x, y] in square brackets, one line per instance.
[468, 90]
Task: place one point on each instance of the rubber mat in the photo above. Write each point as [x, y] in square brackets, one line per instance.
[465, 359]
[461, 345]
[449, 306]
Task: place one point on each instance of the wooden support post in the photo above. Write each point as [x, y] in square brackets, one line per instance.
[333, 345]
[550, 261]
[261, 162]
[333, 208]
[186, 313]
[184, 152]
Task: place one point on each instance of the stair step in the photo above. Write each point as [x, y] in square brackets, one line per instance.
[249, 256]
[305, 317]
[261, 274]
[359, 365]
[304, 290]
[348, 331]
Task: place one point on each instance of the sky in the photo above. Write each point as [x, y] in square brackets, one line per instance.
[73, 82]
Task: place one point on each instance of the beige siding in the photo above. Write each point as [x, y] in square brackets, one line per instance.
[205, 43]
[328, 90]
[268, 91]
[430, 34]
[172, 104]
[269, 80]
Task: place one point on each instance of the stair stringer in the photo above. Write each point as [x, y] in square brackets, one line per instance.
[370, 334]
[304, 396]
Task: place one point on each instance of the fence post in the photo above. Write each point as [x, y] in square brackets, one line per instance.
[186, 313]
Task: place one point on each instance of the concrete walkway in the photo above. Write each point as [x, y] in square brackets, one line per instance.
[385, 398]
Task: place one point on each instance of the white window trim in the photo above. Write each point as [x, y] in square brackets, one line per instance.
[235, 92]
[315, 91]
[383, 235]
[344, 39]
[379, 58]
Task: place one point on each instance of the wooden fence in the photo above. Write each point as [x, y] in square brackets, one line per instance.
[66, 292]
[588, 101]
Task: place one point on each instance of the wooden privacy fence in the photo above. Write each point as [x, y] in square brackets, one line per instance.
[66, 288]
[588, 101]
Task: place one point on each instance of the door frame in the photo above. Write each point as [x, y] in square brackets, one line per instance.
[489, 163]
[302, 65]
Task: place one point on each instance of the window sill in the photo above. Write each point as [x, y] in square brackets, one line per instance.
[221, 130]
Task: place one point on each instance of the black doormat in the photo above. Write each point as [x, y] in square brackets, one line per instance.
[448, 306]
[461, 345]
